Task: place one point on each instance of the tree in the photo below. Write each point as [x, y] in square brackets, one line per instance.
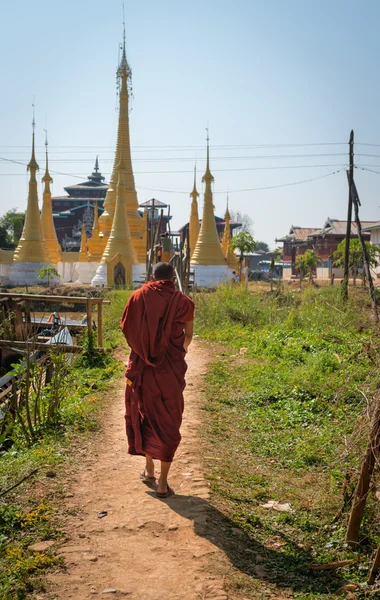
[49, 272]
[11, 226]
[262, 246]
[243, 242]
[244, 219]
[306, 263]
[355, 258]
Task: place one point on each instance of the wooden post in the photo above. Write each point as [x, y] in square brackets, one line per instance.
[100, 325]
[89, 318]
[367, 271]
[349, 220]
[365, 476]
[151, 241]
[375, 568]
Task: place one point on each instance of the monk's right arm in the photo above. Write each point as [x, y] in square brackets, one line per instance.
[189, 328]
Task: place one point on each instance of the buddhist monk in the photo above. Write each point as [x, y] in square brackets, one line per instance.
[158, 325]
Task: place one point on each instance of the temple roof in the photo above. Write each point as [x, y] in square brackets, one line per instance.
[298, 234]
[157, 203]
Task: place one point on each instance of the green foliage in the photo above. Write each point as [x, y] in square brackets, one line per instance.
[243, 242]
[283, 402]
[307, 262]
[355, 260]
[47, 272]
[262, 246]
[11, 225]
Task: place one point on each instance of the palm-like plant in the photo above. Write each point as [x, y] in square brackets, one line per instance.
[245, 243]
[306, 263]
[355, 259]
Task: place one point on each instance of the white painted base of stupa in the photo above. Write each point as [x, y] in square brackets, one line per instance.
[26, 273]
[86, 271]
[138, 274]
[67, 271]
[4, 273]
[100, 277]
[210, 275]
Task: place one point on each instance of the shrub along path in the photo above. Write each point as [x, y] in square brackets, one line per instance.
[144, 548]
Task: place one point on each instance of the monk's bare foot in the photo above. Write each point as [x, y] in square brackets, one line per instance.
[149, 467]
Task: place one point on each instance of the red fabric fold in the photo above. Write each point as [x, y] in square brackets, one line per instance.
[153, 324]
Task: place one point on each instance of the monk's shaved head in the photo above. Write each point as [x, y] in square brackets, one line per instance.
[163, 271]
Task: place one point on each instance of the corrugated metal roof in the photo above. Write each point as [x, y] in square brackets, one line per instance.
[373, 226]
[336, 227]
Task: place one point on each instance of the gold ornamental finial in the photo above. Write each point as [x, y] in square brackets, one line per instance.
[207, 177]
[194, 194]
[47, 179]
[33, 165]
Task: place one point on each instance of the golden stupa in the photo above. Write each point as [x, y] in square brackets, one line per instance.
[32, 247]
[119, 250]
[48, 228]
[194, 216]
[83, 256]
[123, 147]
[226, 242]
[208, 251]
[96, 242]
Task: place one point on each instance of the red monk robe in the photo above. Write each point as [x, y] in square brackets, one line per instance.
[153, 324]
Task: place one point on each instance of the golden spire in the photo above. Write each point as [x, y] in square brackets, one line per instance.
[208, 250]
[48, 228]
[194, 216]
[83, 256]
[120, 241]
[95, 243]
[123, 146]
[31, 247]
[226, 242]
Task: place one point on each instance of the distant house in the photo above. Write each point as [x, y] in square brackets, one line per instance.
[154, 207]
[295, 243]
[324, 241]
[374, 232]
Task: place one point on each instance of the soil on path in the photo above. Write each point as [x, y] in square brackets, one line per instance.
[144, 548]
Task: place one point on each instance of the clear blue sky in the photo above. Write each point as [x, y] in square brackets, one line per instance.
[279, 72]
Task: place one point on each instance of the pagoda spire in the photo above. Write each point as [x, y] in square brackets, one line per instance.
[226, 242]
[208, 250]
[119, 243]
[123, 147]
[48, 228]
[194, 216]
[95, 243]
[32, 247]
[83, 256]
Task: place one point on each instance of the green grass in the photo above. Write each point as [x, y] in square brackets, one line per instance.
[30, 512]
[284, 396]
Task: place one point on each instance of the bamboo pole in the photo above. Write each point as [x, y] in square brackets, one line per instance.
[374, 571]
[365, 477]
[100, 325]
[89, 318]
[349, 220]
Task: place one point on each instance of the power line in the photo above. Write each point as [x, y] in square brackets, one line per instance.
[275, 168]
[269, 187]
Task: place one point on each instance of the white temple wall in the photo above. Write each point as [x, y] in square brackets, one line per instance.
[211, 276]
[85, 271]
[138, 274]
[67, 271]
[4, 272]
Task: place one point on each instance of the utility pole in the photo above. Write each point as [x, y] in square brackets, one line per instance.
[349, 220]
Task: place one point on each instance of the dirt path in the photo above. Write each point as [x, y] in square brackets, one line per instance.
[145, 548]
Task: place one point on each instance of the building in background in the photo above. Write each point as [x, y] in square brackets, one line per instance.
[77, 208]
